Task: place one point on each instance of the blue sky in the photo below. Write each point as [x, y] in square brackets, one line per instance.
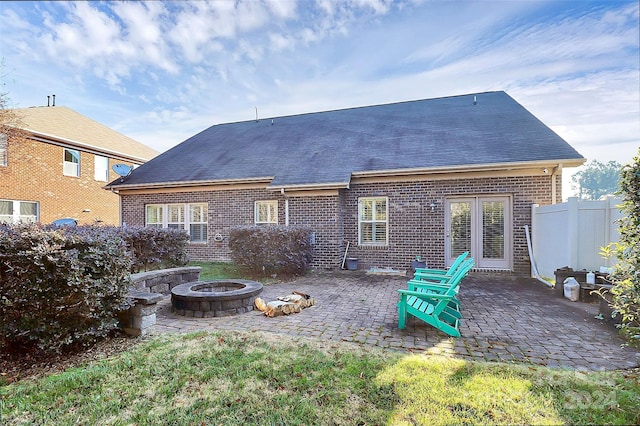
[162, 71]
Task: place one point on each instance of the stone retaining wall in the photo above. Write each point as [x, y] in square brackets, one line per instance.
[163, 280]
[147, 290]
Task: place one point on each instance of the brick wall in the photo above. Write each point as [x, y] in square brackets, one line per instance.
[413, 228]
[34, 173]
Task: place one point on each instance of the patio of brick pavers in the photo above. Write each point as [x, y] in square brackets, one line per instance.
[506, 318]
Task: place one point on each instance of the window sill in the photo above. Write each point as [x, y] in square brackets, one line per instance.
[373, 246]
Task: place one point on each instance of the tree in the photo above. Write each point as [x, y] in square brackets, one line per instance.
[626, 274]
[597, 179]
[10, 123]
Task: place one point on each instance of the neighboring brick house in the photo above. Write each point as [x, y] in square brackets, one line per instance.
[60, 168]
[431, 177]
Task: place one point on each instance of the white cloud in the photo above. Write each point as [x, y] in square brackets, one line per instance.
[250, 15]
[175, 68]
[285, 9]
[380, 7]
[279, 42]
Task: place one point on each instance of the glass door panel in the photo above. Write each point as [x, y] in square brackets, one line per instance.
[482, 226]
[460, 228]
[492, 230]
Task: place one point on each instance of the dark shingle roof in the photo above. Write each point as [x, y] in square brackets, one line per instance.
[325, 148]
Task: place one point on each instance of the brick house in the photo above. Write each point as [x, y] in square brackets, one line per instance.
[432, 178]
[60, 168]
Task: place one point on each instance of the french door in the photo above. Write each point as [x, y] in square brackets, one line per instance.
[482, 226]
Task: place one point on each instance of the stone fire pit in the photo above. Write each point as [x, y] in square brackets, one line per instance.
[216, 298]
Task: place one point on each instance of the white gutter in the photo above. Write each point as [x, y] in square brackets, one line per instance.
[464, 168]
[308, 186]
[190, 183]
[534, 269]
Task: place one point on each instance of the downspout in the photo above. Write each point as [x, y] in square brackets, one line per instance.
[286, 212]
[534, 269]
[554, 183]
[286, 208]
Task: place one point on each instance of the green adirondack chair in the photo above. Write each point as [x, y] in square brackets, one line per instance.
[434, 302]
[431, 274]
[441, 284]
[434, 309]
[451, 286]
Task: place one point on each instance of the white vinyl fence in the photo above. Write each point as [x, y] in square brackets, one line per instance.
[572, 233]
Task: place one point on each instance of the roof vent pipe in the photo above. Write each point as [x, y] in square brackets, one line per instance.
[54, 100]
[256, 114]
[475, 100]
[48, 100]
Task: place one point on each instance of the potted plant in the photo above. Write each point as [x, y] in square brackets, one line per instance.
[418, 263]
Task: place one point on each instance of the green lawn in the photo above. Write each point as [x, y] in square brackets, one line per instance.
[235, 378]
[216, 270]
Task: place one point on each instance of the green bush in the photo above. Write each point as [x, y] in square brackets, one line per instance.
[156, 248]
[626, 289]
[60, 287]
[272, 249]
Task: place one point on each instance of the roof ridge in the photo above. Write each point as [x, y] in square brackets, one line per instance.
[364, 107]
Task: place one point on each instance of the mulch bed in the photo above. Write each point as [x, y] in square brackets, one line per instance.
[21, 365]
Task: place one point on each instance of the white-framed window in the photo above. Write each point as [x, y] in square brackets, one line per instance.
[3, 150]
[173, 216]
[373, 229]
[101, 168]
[71, 165]
[198, 222]
[13, 211]
[266, 212]
[154, 215]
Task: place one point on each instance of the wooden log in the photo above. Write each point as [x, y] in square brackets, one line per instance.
[261, 305]
[285, 305]
[277, 308]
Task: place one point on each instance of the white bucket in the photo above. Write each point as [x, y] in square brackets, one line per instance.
[571, 289]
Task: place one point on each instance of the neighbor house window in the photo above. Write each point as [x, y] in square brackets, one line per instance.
[373, 221]
[101, 168]
[266, 212]
[12, 211]
[173, 216]
[3, 149]
[71, 162]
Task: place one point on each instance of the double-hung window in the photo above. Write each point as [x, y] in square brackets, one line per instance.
[198, 222]
[71, 165]
[101, 168]
[154, 214]
[173, 216]
[12, 211]
[373, 229]
[266, 212]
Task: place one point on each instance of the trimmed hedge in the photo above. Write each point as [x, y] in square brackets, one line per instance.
[65, 286]
[156, 248]
[272, 249]
[61, 287]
